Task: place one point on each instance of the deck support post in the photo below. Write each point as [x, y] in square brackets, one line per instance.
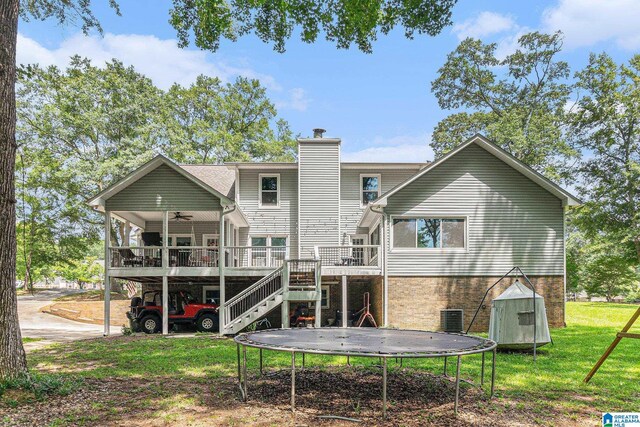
[455, 407]
[165, 305]
[344, 301]
[222, 263]
[318, 283]
[107, 278]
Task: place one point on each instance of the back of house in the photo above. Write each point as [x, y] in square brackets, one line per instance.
[415, 244]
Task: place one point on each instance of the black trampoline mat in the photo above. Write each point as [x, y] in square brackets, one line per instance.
[371, 342]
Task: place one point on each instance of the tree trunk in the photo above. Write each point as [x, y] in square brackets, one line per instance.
[13, 361]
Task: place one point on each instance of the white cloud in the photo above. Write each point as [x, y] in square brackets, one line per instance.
[483, 25]
[298, 100]
[587, 22]
[402, 148]
[161, 60]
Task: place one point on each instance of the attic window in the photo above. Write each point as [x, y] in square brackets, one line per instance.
[369, 188]
[269, 191]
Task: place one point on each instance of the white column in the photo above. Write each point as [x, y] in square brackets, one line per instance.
[165, 239]
[344, 301]
[222, 260]
[107, 278]
[165, 305]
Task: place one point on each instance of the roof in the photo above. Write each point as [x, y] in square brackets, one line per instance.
[517, 291]
[99, 199]
[218, 177]
[567, 198]
[343, 165]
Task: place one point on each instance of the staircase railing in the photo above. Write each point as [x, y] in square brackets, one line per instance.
[303, 274]
[248, 300]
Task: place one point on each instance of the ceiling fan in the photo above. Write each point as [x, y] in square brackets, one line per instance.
[177, 216]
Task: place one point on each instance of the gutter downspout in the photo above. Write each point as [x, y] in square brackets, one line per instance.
[385, 277]
[222, 261]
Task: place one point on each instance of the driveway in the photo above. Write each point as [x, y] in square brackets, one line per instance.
[35, 324]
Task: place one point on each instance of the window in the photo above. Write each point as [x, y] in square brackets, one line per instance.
[326, 296]
[369, 188]
[211, 294]
[212, 240]
[268, 251]
[431, 233]
[269, 191]
[179, 240]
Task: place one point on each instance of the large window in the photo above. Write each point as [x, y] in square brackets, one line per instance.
[369, 188]
[432, 233]
[269, 191]
[268, 251]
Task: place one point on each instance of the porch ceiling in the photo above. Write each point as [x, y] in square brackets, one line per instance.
[139, 218]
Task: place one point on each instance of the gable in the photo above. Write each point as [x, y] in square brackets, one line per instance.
[163, 189]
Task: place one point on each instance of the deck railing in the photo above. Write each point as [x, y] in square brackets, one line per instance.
[349, 256]
[151, 256]
[256, 256]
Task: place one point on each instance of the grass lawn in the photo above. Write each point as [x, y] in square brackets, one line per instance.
[144, 380]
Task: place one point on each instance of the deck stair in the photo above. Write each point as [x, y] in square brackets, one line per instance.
[295, 280]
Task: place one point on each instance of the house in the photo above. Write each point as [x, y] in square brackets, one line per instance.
[419, 238]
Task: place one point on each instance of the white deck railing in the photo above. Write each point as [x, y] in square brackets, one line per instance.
[349, 256]
[256, 256]
[151, 256]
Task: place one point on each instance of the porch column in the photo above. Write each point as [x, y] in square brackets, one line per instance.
[165, 239]
[222, 260]
[165, 305]
[344, 301]
[127, 234]
[107, 278]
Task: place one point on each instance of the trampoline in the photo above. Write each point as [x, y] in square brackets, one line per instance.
[365, 342]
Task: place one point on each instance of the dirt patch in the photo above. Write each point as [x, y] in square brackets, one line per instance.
[415, 399]
[91, 296]
[90, 311]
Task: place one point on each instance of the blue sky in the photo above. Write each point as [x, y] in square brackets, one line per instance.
[380, 104]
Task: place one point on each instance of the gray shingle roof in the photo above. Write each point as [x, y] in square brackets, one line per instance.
[218, 177]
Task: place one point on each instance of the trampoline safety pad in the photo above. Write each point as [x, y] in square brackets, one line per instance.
[365, 342]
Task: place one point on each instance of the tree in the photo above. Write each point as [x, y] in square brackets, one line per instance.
[518, 102]
[606, 123]
[342, 21]
[82, 272]
[93, 124]
[13, 360]
[607, 271]
[212, 122]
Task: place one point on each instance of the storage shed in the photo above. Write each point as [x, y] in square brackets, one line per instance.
[512, 319]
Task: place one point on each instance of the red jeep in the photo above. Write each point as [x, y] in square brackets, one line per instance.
[146, 312]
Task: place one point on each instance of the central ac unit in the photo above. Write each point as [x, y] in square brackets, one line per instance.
[451, 320]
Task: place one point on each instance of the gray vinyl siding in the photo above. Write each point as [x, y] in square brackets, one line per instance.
[350, 205]
[275, 221]
[199, 228]
[163, 189]
[319, 186]
[511, 220]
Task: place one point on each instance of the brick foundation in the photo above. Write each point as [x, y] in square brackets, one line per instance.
[415, 302]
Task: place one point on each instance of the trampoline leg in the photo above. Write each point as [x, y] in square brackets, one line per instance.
[293, 381]
[482, 371]
[384, 388]
[493, 372]
[240, 372]
[455, 408]
[303, 357]
[244, 371]
[444, 371]
[348, 361]
[261, 362]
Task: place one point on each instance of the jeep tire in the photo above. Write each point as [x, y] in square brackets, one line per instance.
[207, 323]
[150, 324]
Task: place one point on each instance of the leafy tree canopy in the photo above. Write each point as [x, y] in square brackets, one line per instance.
[344, 22]
[518, 102]
[64, 11]
[606, 124]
